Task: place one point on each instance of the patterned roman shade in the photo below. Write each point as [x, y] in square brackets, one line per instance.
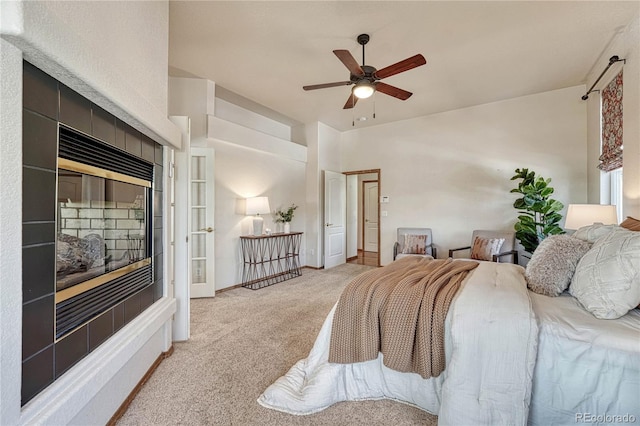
[611, 157]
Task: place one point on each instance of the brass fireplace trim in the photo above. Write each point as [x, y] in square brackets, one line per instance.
[70, 292]
[75, 166]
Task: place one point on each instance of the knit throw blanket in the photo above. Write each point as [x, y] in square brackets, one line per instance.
[398, 310]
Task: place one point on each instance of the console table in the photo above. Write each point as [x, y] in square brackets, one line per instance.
[270, 259]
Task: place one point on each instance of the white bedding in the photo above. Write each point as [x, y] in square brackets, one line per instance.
[585, 365]
[491, 336]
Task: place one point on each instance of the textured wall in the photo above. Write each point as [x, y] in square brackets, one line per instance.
[451, 171]
[129, 86]
[113, 53]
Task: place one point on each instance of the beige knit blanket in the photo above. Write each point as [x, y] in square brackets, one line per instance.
[398, 310]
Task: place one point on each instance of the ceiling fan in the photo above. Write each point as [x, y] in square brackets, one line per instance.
[366, 78]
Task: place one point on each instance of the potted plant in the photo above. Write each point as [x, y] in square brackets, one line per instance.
[286, 216]
[538, 213]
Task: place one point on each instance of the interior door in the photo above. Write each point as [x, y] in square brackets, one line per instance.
[370, 200]
[202, 223]
[335, 217]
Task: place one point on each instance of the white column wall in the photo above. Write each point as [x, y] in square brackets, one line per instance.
[451, 171]
[10, 232]
[119, 63]
[313, 189]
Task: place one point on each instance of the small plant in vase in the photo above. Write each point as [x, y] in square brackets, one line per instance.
[286, 216]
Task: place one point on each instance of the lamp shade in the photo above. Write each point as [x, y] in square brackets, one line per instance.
[579, 215]
[257, 205]
[363, 89]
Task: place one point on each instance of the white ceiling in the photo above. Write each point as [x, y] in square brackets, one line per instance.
[477, 52]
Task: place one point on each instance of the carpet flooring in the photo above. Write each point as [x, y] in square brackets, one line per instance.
[242, 341]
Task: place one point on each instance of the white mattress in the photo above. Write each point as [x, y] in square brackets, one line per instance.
[585, 366]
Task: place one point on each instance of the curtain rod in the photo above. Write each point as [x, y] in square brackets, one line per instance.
[612, 60]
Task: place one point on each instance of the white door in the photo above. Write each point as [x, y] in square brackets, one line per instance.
[335, 217]
[370, 191]
[202, 223]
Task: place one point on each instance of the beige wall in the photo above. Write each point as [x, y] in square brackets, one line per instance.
[240, 173]
[451, 171]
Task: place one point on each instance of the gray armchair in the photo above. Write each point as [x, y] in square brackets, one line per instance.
[400, 249]
[507, 252]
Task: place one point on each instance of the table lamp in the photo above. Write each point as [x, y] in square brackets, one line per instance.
[255, 207]
[579, 215]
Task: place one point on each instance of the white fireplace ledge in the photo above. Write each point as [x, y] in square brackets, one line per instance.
[72, 395]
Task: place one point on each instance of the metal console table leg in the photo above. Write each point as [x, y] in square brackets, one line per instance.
[270, 259]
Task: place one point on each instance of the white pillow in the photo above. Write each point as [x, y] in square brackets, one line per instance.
[591, 233]
[607, 278]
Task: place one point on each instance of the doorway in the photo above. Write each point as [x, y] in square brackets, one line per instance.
[363, 217]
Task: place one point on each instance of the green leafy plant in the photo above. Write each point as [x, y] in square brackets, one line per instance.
[538, 213]
[286, 215]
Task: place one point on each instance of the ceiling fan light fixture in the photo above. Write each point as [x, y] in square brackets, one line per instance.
[363, 89]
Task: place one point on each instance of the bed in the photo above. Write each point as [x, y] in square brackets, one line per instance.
[512, 357]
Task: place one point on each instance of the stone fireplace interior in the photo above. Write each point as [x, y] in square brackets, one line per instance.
[92, 228]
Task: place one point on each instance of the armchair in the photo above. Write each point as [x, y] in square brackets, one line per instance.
[413, 242]
[485, 246]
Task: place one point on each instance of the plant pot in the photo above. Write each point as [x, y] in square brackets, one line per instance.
[287, 227]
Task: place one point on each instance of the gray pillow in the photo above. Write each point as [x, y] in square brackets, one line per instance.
[553, 263]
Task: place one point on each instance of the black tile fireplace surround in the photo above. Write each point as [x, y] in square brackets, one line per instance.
[46, 104]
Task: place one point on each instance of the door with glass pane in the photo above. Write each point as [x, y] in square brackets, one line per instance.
[202, 223]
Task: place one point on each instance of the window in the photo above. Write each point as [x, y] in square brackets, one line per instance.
[615, 185]
[611, 143]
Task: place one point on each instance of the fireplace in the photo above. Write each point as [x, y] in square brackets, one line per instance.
[92, 231]
[103, 226]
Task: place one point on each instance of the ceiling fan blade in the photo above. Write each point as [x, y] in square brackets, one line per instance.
[325, 85]
[349, 61]
[351, 102]
[387, 89]
[402, 66]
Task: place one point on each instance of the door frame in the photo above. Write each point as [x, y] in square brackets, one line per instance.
[379, 172]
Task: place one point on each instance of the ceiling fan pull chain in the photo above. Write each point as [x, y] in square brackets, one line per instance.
[374, 105]
[353, 113]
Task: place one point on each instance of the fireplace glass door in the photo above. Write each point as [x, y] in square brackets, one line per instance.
[102, 223]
